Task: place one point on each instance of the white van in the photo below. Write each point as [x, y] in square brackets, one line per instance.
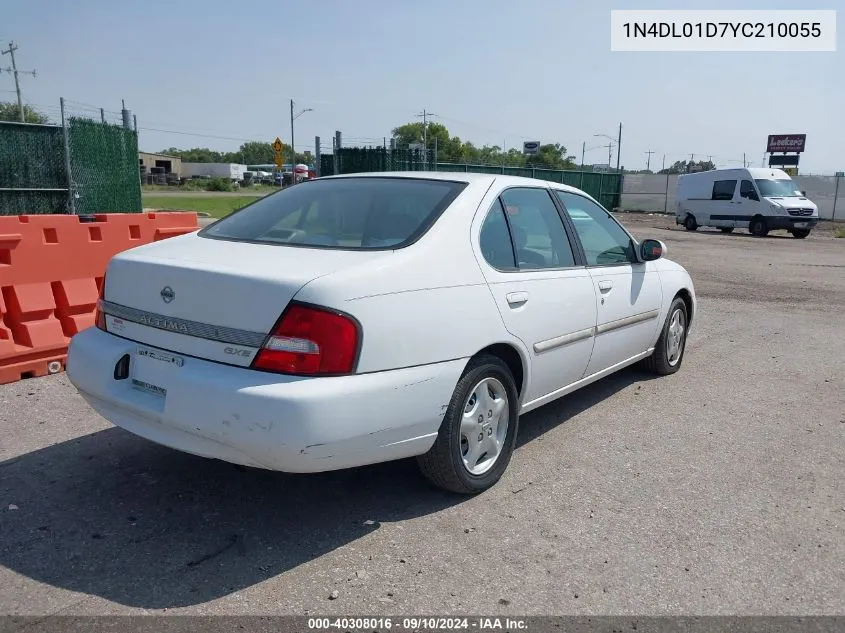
[759, 199]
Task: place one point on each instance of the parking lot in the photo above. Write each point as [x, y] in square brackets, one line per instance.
[718, 490]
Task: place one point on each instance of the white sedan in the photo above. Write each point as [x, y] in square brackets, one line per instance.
[359, 319]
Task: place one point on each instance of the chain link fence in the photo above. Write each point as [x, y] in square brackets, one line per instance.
[84, 165]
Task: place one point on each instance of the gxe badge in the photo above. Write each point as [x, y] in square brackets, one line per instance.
[167, 294]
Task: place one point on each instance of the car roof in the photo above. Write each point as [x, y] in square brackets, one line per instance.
[460, 176]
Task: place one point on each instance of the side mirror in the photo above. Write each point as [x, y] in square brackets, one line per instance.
[651, 250]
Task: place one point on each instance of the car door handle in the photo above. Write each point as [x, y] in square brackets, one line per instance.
[605, 286]
[516, 299]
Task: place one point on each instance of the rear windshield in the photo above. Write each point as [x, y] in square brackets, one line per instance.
[344, 213]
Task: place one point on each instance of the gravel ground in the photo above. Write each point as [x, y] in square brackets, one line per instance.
[718, 490]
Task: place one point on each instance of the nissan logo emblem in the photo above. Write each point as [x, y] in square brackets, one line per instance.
[167, 294]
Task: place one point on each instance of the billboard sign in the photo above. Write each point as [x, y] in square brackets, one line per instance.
[783, 160]
[530, 148]
[786, 143]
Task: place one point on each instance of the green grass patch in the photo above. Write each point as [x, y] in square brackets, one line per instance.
[214, 206]
[840, 232]
[202, 184]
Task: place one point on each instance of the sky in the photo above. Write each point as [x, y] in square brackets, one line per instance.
[214, 74]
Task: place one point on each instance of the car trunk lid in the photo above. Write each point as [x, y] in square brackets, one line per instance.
[210, 298]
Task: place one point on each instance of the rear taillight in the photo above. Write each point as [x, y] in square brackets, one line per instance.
[310, 341]
[99, 315]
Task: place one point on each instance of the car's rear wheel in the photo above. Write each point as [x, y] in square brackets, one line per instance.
[758, 226]
[478, 432]
[800, 233]
[689, 223]
[669, 350]
[727, 229]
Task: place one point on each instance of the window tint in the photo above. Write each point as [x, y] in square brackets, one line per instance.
[746, 190]
[495, 240]
[346, 213]
[603, 240]
[538, 234]
[723, 190]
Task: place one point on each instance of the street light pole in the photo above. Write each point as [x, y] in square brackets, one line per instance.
[292, 145]
[609, 149]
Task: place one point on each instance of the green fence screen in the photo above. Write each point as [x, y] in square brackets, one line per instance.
[103, 166]
[33, 177]
[604, 187]
[356, 160]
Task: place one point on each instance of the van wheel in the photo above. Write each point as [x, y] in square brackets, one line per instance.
[689, 223]
[726, 229]
[478, 432]
[800, 233]
[758, 227]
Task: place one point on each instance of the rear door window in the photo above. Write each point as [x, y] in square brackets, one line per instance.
[537, 231]
[495, 239]
[345, 213]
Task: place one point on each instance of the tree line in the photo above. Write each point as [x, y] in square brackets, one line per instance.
[451, 149]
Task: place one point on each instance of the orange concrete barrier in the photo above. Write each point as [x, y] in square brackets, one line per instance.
[51, 269]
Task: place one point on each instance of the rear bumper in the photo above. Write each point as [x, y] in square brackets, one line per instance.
[265, 420]
[789, 222]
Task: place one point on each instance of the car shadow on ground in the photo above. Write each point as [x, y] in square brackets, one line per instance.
[112, 515]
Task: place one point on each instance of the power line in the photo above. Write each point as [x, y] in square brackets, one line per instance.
[223, 138]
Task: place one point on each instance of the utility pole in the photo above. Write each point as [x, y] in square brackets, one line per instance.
[583, 151]
[664, 163]
[425, 116]
[14, 70]
[619, 148]
[648, 160]
[610, 154]
[744, 164]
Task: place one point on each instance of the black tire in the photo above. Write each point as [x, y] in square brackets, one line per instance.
[443, 465]
[800, 233]
[659, 362]
[726, 229]
[758, 227]
[689, 222]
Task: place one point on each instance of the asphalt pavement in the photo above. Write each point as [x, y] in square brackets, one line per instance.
[718, 490]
